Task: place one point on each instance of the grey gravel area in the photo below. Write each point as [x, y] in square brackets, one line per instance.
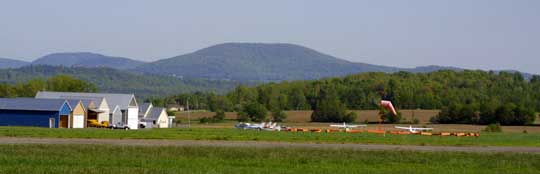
[264, 144]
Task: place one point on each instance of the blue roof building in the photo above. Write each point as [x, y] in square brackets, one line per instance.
[52, 113]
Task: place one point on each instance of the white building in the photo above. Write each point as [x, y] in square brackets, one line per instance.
[153, 117]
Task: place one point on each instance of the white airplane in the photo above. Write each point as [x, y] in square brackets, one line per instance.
[347, 126]
[262, 126]
[413, 129]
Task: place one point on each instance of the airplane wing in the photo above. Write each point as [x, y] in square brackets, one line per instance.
[360, 125]
[423, 128]
[399, 127]
[337, 125]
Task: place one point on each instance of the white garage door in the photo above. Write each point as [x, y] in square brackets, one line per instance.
[78, 121]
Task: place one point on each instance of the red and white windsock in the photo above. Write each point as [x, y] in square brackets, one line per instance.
[388, 105]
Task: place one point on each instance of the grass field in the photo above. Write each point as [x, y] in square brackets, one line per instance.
[486, 139]
[101, 159]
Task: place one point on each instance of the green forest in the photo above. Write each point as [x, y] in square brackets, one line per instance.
[471, 97]
[62, 83]
[119, 81]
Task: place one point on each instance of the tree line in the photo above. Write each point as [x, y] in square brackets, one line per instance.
[63, 83]
[477, 96]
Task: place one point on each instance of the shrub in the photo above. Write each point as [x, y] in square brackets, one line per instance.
[330, 109]
[278, 115]
[388, 117]
[242, 117]
[350, 117]
[171, 113]
[255, 112]
[204, 120]
[493, 128]
[219, 117]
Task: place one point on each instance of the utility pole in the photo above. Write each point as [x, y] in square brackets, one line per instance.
[189, 116]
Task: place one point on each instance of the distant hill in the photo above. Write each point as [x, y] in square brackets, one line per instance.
[11, 63]
[266, 62]
[85, 59]
[245, 62]
[253, 61]
[112, 80]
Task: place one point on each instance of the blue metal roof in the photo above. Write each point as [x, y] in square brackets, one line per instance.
[32, 104]
[154, 113]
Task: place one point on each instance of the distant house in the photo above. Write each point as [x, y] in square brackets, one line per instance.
[52, 113]
[153, 117]
[77, 117]
[127, 105]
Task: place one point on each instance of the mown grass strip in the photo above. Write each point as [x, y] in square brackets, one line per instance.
[486, 139]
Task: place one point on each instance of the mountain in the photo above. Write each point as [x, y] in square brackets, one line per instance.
[264, 62]
[11, 63]
[85, 59]
[113, 80]
[256, 61]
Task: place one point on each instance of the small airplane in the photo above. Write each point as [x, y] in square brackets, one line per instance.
[262, 126]
[347, 126]
[413, 129]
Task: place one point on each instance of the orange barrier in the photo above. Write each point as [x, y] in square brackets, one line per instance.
[316, 130]
[459, 134]
[302, 130]
[332, 130]
[426, 133]
[400, 132]
[353, 131]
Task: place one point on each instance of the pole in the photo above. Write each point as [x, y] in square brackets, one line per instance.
[189, 116]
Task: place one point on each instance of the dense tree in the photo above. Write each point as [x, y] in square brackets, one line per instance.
[463, 97]
[278, 115]
[255, 112]
[330, 109]
[61, 83]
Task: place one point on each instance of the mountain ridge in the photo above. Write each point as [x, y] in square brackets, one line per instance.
[86, 59]
[235, 61]
[12, 63]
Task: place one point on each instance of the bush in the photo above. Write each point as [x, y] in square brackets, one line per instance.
[350, 117]
[255, 112]
[242, 117]
[204, 120]
[388, 117]
[493, 128]
[171, 113]
[278, 115]
[330, 109]
[219, 117]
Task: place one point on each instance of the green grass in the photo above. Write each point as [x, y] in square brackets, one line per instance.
[139, 159]
[486, 139]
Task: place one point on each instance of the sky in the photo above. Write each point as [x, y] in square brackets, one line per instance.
[475, 34]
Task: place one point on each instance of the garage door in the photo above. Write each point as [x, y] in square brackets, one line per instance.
[78, 121]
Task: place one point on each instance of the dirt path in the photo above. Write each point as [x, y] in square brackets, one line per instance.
[139, 142]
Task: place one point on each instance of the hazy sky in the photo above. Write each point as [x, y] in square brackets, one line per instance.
[486, 34]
